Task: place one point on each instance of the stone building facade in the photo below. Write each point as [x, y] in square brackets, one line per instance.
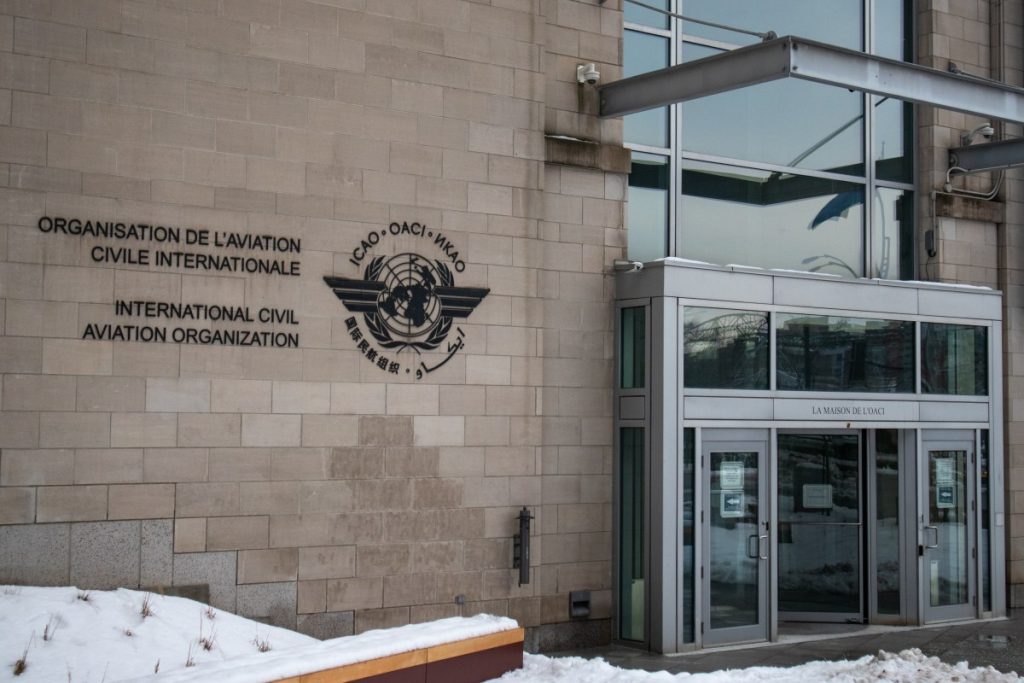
[186, 405]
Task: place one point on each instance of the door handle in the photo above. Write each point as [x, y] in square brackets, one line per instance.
[935, 530]
[759, 555]
[756, 554]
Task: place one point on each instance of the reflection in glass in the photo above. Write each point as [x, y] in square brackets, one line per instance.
[947, 513]
[893, 256]
[760, 123]
[631, 533]
[887, 521]
[635, 14]
[819, 523]
[828, 353]
[689, 578]
[892, 30]
[893, 139]
[647, 208]
[954, 359]
[838, 22]
[773, 220]
[642, 52]
[725, 349]
[633, 347]
[734, 540]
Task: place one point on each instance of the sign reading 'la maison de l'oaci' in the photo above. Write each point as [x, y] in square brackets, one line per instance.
[408, 300]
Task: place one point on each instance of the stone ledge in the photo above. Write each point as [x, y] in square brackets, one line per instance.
[586, 154]
[969, 208]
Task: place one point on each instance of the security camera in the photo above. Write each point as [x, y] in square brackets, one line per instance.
[587, 73]
[985, 130]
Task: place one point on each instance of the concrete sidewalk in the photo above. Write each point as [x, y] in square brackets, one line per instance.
[989, 643]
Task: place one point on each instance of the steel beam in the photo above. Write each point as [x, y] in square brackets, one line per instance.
[988, 156]
[791, 57]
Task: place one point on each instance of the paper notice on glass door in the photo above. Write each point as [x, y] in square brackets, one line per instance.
[944, 470]
[730, 475]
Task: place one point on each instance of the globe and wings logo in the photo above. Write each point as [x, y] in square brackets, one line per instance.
[408, 301]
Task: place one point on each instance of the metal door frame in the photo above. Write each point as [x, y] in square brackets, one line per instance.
[720, 443]
[951, 440]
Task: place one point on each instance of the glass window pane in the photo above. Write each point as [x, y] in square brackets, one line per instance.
[633, 348]
[838, 22]
[887, 521]
[954, 359]
[894, 137]
[894, 234]
[985, 537]
[639, 15]
[759, 123]
[725, 349]
[773, 220]
[819, 523]
[647, 207]
[892, 29]
[642, 52]
[631, 533]
[826, 353]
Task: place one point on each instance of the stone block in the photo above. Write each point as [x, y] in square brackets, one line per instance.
[299, 530]
[356, 463]
[385, 431]
[411, 462]
[74, 430]
[36, 467]
[327, 562]
[330, 430]
[419, 614]
[239, 464]
[141, 501]
[108, 466]
[269, 498]
[358, 527]
[156, 565]
[326, 625]
[409, 589]
[71, 503]
[129, 430]
[353, 594]
[215, 569]
[271, 430]
[439, 431]
[240, 396]
[370, 620]
[237, 533]
[437, 493]
[312, 596]
[47, 39]
[35, 554]
[298, 463]
[17, 505]
[207, 499]
[94, 545]
[189, 535]
[177, 395]
[174, 465]
[263, 566]
[382, 560]
[221, 430]
[110, 394]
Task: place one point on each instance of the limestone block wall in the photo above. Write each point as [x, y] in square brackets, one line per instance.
[983, 39]
[299, 479]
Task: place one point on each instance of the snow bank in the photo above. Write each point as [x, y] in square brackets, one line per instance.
[909, 666]
[328, 654]
[93, 636]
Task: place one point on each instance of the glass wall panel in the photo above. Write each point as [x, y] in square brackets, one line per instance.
[819, 523]
[893, 244]
[887, 521]
[760, 123]
[827, 353]
[744, 216]
[954, 359]
[639, 15]
[725, 349]
[894, 136]
[643, 52]
[633, 347]
[689, 578]
[647, 208]
[632, 553]
[947, 566]
[734, 529]
[839, 22]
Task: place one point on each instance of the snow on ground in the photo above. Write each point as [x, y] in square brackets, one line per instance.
[909, 666]
[94, 636]
[86, 636]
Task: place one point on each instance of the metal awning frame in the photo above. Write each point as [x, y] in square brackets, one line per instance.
[792, 57]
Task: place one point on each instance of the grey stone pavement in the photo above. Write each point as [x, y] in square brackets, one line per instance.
[996, 643]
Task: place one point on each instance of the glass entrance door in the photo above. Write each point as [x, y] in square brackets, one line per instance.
[736, 543]
[947, 535]
[820, 527]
